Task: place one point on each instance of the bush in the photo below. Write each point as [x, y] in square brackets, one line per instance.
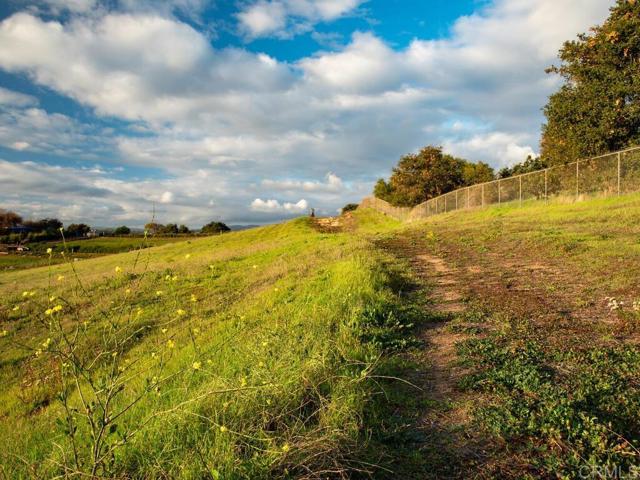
[349, 207]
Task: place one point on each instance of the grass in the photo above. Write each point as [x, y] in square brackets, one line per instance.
[275, 352]
[252, 354]
[550, 377]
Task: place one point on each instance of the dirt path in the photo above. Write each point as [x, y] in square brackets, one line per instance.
[444, 426]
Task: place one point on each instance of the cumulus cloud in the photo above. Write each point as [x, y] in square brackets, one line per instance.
[274, 206]
[288, 17]
[333, 183]
[217, 123]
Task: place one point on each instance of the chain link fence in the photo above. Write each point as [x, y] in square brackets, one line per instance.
[610, 174]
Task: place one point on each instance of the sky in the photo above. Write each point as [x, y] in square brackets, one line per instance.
[254, 111]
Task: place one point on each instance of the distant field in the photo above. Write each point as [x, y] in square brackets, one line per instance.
[80, 249]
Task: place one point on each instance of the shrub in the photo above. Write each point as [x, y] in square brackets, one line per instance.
[349, 207]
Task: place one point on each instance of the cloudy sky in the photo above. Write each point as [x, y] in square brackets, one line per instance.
[250, 111]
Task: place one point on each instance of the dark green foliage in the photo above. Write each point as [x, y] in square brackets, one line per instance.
[214, 228]
[531, 164]
[77, 230]
[597, 110]
[8, 219]
[183, 229]
[584, 402]
[123, 230]
[427, 174]
[51, 226]
[349, 207]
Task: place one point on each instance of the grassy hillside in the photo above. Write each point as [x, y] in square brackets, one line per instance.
[276, 352]
[241, 356]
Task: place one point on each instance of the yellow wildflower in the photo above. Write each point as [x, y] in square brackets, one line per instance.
[49, 250]
[4, 333]
[223, 428]
[171, 344]
[57, 308]
[118, 269]
[187, 256]
[16, 308]
[196, 365]
[48, 311]
[164, 330]
[60, 278]
[159, 293]
[52, 298]
[25, 294]
[286, 448]
[127, 291]
[194, 298]
[180, 312]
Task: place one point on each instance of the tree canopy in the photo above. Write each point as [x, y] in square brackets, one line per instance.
[122, 230]
[597, 110]
[214, 228]
[427, 174]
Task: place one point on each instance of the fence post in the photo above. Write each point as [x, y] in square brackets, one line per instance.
[619, 173]
[499, 199]
[577, 179]
[546, 195]
[520, 182]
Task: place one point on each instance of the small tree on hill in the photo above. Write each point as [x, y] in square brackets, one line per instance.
[421, 176]
[77, 230]
[214, 228]
[183, 229]
[349, 207]
[123, 230]
[9, 219]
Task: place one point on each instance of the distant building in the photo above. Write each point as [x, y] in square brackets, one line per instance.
[20, 229]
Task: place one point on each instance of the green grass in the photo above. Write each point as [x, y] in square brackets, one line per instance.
[288, 329]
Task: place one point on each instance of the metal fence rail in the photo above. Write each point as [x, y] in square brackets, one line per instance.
[610, 174]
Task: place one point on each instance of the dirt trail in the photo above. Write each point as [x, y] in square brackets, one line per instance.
[444, 424]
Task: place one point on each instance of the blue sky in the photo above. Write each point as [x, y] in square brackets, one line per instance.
[256, 110]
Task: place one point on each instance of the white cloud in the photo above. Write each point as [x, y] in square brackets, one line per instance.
[333, 183]
[218, 123]
[9, 97]
[166, 197]
[508, 149]
[288, 17]
[20, 145]
[273, 206]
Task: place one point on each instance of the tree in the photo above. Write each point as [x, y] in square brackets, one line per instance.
[9, 219]
[419, 177]
[214, 228]
[123, 230]
[183, 229]
[598, 108]
[49, 225]
[473, 173]
[154, 228]
[170, 229]
[349, 207]
[531, 164]
[77, 230]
